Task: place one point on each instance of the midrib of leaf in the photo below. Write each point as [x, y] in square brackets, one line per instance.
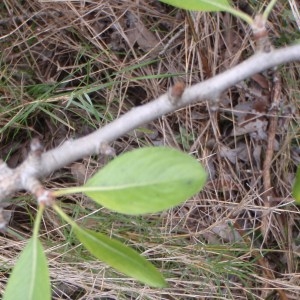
[84, 189]
[35, 245]
[230, 9]
[33, 277]
[104, 245]
[134, 185]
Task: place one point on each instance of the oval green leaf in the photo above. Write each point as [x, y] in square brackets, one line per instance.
[200, 5]
[146, 180]
[29, 279]
[120, 257]
[296, 187]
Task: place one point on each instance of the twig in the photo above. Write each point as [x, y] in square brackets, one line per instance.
[262, 261]
[263, 43]
[27, 17]
[12, 180]
[295, 11]
[275, 97]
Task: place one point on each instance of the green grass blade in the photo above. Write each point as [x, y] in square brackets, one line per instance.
[120, 257]
[296, 187]
[30, 277]
[146, 180]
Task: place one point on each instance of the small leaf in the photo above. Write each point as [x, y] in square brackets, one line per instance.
[296, 187]
[120, 257]
[200, 5]
[146, 180]
[30, 277]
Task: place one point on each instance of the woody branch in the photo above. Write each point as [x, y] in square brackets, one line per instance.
[39, 165]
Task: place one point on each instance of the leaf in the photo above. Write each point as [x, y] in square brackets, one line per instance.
[201, 5]
[120, 257]
[146, 180]
[296, 187]
[138, 33]
[210, 5]
[30, 277]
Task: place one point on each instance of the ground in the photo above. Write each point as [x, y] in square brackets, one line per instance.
[70, 67]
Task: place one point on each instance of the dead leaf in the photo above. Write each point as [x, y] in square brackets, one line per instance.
[257, 129]
[226, 231]
[224, 184]
[261, 80]
[138, 33]
[78, 171]
[240, 152]
[251, 120]
[116, 43]
[257, 155]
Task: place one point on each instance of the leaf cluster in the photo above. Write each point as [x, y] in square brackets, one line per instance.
[146, 180]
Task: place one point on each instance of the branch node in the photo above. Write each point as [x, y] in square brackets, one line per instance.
[175, 92]
[3, 221]
[214, 104]
[260, 34]
[36, 147]
[107, 150]
[44, 197]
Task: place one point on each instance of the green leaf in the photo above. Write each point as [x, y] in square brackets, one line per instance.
[30, 277]
[201, 5]
[296, 187]
[146, 180]
[120, 257]
[210, 5]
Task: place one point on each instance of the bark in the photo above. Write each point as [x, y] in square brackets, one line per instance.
[39, 165]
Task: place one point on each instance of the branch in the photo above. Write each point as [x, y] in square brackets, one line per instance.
[25, 176]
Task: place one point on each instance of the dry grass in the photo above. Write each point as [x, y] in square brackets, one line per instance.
[70, 67]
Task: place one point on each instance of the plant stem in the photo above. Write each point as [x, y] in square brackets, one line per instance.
[67, 191]
[37, 221]
[240, 15]
[64, 216]
[268, 9]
